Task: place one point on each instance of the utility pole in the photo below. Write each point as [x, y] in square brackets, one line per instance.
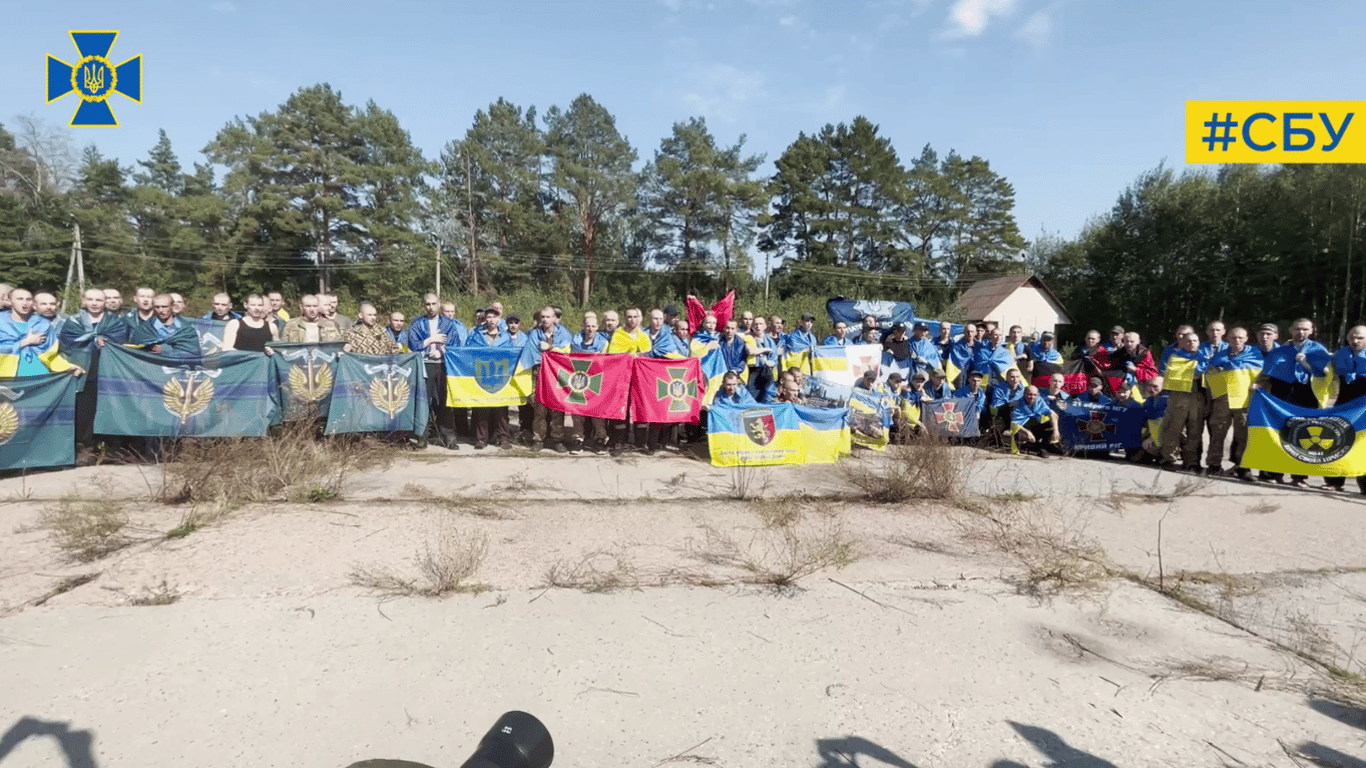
[768, 259]
[438, 269]
[469, 220]
[76, 265]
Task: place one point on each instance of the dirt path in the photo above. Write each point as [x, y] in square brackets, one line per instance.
[941, 643]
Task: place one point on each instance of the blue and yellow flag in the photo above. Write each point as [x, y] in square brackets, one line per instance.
[754, 435]
[1236, 383]
[228, 395]
[713, 370]
[870, 417]
[1282, 437]
[486, 377]
[304, 374]
[37, 421]
[825, 433]
[379, 393]
[845, 365]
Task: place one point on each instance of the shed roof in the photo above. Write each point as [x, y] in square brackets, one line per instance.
[983, 297]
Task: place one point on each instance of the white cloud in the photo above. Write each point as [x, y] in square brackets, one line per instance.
[672, 5]
[723, 92]
[791, 22]
[969, 18]
[1037, 29]
[224, 6]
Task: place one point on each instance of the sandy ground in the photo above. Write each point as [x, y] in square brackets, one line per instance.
[927, 650]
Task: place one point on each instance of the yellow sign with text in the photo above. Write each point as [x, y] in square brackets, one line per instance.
[1276, 132]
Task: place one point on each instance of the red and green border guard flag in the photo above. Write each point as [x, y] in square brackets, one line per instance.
[667, 391]
[585, 385]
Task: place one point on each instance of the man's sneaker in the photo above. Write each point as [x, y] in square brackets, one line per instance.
[505, 443]
[537, 445]
[559, 448]
[576, 449]
[481, 445]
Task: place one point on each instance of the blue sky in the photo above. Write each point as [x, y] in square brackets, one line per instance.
[1069, 99]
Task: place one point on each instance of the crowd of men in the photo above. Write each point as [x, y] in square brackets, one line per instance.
[1018, 382]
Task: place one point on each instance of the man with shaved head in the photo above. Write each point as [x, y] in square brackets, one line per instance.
[1349, 366]
[1032, 426]
[82, 336]
[142, 306]
[113, 301]
[222, 309]
[45, 306]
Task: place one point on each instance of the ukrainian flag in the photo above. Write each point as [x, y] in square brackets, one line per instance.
[1236, 383]
[1286, 438]
[486, 377]
[52, 359]
[825, 433]
[754, 435]
[713, 370]
[844, 365]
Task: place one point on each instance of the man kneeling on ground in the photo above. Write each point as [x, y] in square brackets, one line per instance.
[1032, 426]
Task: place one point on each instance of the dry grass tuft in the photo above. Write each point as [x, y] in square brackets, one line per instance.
[87, 529]
[1119, 499]
[748, 482]
[294, 464]
[162, 594]
[779, 556]
[454, 502]
[1049, 543]
[924, 468]
[444, 566]
[596, 571]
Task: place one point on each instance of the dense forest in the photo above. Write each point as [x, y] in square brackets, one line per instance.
[558, 205]
[318, 194]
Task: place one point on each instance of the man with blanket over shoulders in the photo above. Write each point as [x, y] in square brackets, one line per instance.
[165, 334]
[1229, 379]
[1349, 366]
[1291, 371]
[81, 337]
[547, 336]
[589, 432]
[429, 335]
[1184, 424]
[28, 342]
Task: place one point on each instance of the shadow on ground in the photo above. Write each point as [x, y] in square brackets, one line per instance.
[78, 746]
[845, 753]
[1060, 754]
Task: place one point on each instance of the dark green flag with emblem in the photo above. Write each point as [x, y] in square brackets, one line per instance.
[379, 393]
[37, 421]
[305, 374]
[232, 394]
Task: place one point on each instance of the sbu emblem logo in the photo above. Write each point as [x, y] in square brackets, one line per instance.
[1318, 440]
[94, 79]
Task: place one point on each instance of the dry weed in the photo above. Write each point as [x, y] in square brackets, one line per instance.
[443, 567]
[454, 502]
[748, 482]
[923, 468]
[161, 594]
[1119, 499]
[596, 571]
[1044, 539]
[779, 556]
[87, 529]
[293, 463]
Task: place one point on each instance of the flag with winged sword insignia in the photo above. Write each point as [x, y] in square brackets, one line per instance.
[1096, 427]
[486, 377]
[232, 394]
[667, 391]
[1283, 437]
[754, 435]
[304, 374]
[953, 417]
[37, 421]
[379, 393]
[586, 385]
